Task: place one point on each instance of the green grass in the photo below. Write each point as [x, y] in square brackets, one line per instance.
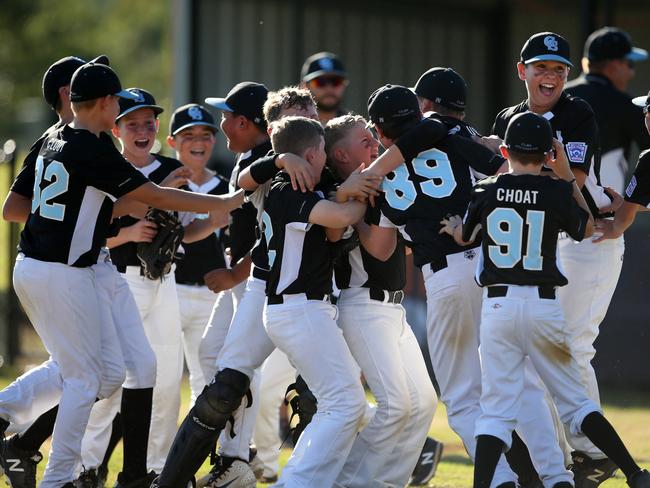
[629, 412]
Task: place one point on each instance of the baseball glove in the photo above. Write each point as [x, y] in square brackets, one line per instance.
[158, 255]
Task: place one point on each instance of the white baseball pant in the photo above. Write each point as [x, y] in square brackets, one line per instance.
[61, 302]
[593, 271]
[120, 310]
[453, 316]
[157, 302]
[307, 332]
[383, 344]
[276, 374]
[196, 305]
[513, 327]
[214, 333]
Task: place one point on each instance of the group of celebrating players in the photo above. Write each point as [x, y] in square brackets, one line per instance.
[500, 226]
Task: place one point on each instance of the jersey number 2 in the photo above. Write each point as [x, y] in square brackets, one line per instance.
[55, 170]
[431, 164]
[506, 227]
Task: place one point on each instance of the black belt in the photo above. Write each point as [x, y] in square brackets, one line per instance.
[278, 299]
[546, 291]
[438, 264]
[386, 296]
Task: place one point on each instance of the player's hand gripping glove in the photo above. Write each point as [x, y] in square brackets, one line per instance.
[158, 255]
[423, 136]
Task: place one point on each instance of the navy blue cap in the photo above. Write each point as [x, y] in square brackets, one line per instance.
[246, 98]
[94, 80]
[546, 46]
[443, 86]
[144, 100]
[392, 104]
[529, 133]
[612, 43]
[322, 64]
[190, 115]
[60, 74]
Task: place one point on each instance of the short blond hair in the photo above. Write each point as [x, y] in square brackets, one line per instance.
[287, 97]
[337, 129]
[295, 135]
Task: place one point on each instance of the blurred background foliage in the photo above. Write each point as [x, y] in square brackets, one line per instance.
[135, 34]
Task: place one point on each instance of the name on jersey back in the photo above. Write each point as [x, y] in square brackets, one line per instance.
[517, 196]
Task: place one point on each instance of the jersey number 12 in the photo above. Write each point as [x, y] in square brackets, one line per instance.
[54, 171]
[506, 228]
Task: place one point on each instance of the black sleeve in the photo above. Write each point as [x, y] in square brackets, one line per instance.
[264, 169]
[638, 190]
[242, 231]
[499, 126]
[479, 157]
[24, 182]
[574, 220]
[373, 214]
[298, 205]
[473, 214]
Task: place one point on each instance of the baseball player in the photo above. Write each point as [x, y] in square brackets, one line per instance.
[592, 270]
[521, 214]
[324, 75]
[434, 182]
[192, 136]
[298, 316]
[636, 194]
[374, 327]
[68, 223]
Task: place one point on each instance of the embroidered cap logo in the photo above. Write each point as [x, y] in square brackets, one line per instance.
[551, 43]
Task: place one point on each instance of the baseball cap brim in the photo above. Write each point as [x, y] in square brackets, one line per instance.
[128, 95]
[192, 124]
[637, 54]
[640, 101]
[156, 110]
[323, 72]
[219, 103]
[549, 57]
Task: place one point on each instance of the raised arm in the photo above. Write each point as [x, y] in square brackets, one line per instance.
[173, 199]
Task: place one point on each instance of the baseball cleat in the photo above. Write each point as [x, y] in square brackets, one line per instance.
[425, 469]
[17, 465]
[590, 473]
[143, 482]
[87, 479]
[639, 480]
[232, 473]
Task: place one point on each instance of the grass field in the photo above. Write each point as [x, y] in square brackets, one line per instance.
[628, 411]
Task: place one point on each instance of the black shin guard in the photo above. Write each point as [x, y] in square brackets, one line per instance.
[488, 452]
[136, 420]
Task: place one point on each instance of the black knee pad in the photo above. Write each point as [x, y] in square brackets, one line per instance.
[220, 399]
[303, 404]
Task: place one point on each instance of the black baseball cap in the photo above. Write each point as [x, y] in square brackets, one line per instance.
[190, 115]
[546, 46]
[60, 74]
[144, 100]
[642, 101]
[612, 43]
[94, 80]
[321, 64]
[529, 133]
[443, 86]
[392, 104]
[246, 98]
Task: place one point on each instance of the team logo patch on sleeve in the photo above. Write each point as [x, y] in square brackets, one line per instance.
[630, 187]
[576, 151]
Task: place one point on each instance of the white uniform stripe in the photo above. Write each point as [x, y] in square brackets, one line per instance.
[294, 240]
[82, 237]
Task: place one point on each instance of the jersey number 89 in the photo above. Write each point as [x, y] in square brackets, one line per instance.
[506, 228]
[431, 164]
[55, 170]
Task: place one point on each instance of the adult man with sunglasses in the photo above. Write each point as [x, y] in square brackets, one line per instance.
[325, 76]
[608, 65]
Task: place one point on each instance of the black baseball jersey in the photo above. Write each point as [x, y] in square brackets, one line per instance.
[456, 126]
[356, 267]
[638, 190]
[75, 172]
[244, 232]
[437, 183]
[574, 124]
[207, 254]
[127, 253]
[299, 253]
[619, 121]
[24, 182]
[521, 216]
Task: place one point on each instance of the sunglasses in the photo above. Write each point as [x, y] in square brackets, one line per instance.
[323, 81]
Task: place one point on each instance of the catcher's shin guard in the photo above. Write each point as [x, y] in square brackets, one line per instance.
[201, 428]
